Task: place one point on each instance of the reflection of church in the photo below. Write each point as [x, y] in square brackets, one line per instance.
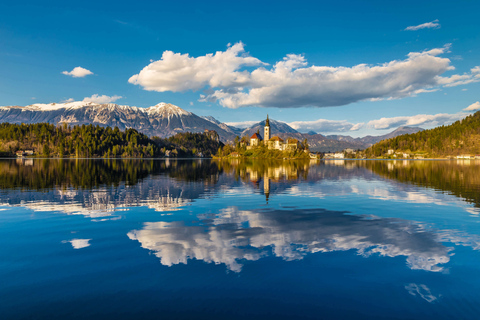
[274, 142]
[276, 175]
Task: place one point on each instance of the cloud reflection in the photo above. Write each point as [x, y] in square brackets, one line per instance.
[233, 236]
[422, 291]
[79, 243]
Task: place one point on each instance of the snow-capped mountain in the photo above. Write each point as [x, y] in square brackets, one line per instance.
[163, 119]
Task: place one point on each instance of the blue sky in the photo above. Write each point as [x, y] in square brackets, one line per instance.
[338, 67]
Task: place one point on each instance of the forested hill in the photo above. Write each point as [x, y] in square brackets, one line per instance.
[461, 137]
[48, 140]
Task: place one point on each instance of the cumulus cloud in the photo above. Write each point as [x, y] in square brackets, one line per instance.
[235, 79]
[180, 72]
[78, 72]
[473, 107]
[290, 83]
[101, 99]
[68, 100]
[323, 125]
[416, 120]
[428, 25]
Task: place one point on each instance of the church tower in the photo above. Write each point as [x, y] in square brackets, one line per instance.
[266, 131]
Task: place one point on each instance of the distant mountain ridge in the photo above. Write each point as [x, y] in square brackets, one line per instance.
[165, 120]
[161, 120]
[367, 141]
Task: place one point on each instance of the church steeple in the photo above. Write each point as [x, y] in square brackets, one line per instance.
[266, 131]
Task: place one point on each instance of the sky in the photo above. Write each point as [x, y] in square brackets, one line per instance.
[333, 67]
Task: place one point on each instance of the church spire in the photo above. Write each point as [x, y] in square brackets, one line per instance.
[266, 131]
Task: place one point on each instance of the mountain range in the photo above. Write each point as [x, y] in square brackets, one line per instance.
[165, 120]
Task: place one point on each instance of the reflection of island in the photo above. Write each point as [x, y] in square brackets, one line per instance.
[274, 176]
[234, 235]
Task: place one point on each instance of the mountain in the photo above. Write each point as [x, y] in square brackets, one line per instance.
[370, 140]
[161, 120]
[367, 141]
[231, 129]
[276, 128]
[165, 120]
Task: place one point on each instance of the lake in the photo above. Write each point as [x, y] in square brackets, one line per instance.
[207, 239]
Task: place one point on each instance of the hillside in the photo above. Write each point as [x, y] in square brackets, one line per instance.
[461, 137]
[47, 140]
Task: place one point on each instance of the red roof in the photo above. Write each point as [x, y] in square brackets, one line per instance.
[256, 136]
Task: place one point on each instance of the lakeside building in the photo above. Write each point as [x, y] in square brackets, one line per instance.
[334, 155]
[255, 140]
[24, 153]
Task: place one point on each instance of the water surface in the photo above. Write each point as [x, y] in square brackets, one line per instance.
[152, 239]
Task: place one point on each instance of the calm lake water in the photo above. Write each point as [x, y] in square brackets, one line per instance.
[163, 239]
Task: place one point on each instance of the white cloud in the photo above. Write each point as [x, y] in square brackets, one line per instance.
[180, 72]
[291, 83]
[323, 125]
[473, 107]
[428, 25]
[416, 120]
[68, 100]
[101, 99]
[78, 72]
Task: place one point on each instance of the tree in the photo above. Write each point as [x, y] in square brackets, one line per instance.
[46, 150]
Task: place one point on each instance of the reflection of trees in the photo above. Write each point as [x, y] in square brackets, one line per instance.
[234, 235]
[78, 173]
[41, 174]
[460, 178]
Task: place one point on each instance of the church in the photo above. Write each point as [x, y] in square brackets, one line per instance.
[274, 142]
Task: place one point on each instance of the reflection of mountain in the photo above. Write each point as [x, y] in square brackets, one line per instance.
[460, 178]
[234, 235]
[159, 193]
[97, 188]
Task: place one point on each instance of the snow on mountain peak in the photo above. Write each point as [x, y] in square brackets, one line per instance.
[57, 106]
[166, 110]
